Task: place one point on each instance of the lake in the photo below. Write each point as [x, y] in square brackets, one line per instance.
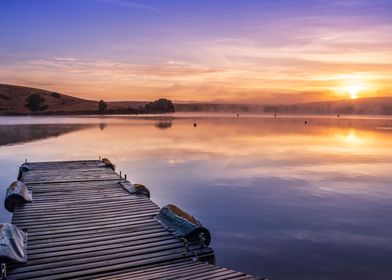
[282, 199]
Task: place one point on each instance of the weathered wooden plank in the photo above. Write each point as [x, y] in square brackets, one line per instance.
[131, 273]
[91, 237]
[30, 209]
[83, 217]
[137, 246]
[49, 214]
[91, 225]
[181, 270]
[126, 226]
[174, 274]
[82, 243]
[63, 220]
[133, 258]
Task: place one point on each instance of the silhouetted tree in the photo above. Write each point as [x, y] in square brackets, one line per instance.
[162, 105]
[164, 124]
[386, 109]
[35, 102]
[102, 106]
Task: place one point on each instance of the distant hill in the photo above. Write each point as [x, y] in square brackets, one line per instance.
[13, 100]
[363, 106]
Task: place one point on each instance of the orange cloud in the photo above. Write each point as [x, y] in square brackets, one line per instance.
[316, 63]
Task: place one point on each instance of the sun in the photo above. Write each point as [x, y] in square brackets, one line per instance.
[353, 91]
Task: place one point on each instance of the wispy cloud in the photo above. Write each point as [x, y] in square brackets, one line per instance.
[166, 70]
[305, 57]
[124, 3]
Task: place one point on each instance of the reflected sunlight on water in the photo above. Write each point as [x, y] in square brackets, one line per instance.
[282, 199]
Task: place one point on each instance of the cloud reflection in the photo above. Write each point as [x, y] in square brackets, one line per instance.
[314, 199]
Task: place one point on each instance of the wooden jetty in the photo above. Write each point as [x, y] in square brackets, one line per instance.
[82, 224]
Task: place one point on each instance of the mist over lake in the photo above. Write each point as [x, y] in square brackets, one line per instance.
[313, 199]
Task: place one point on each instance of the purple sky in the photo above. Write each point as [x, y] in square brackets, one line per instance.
[244, 50]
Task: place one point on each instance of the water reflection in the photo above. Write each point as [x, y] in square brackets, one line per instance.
[13, 134]
[102, 126]
[164, 124]
[282, 199]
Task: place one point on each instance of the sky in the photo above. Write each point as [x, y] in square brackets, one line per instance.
[243, 51]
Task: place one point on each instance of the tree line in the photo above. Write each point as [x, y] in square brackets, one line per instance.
[37, 103]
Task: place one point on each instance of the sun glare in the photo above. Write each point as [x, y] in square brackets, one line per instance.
[354, 90]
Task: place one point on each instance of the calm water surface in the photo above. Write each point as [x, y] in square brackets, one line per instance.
[282, 199]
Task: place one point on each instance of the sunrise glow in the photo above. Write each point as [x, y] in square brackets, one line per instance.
[258, 52]
[354, 90]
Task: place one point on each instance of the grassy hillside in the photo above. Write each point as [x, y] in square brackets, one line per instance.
[13, 101]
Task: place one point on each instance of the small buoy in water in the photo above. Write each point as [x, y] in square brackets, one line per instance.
[306, 122]
[238, 115]
[194, 124]
[338, 116]
[275, 116]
